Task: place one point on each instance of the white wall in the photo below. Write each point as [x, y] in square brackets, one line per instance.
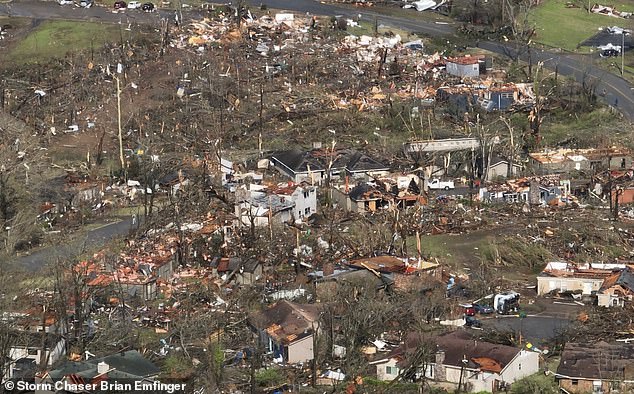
[382, 373]
[524, 364]
[301, 350]
[305, 199]
[547, 284]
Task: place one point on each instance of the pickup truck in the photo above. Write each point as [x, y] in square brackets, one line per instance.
[437, 184]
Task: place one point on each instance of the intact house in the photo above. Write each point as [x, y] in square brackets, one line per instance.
[617, 289]
[596, 368]
[286, 329]
[567, 160]
[316, 165]
[500, 167]
[28, 350]
[128, 366]
[238, 270]
[458, 358]
[563, 277]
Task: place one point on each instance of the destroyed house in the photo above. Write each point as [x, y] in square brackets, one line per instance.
[465, 66]
[366, 197]
[569, 277]
[459, 358]
[617, 288]
[30, 349]
[463, 98]
[327, 282]
[403, 273]
[237, 270]
[566, 160]
[380, 194]
[312, 166]
[286, 329]
[303, 197]
[596, 368]
[259, 208]
[137, 275]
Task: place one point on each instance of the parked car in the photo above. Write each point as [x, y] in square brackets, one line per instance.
[470, 311]
[85, 3]
[147, 7]
[120, 5]
[437, 184]
[134, 5]
[65, 2]
[609, 53]
[483, 309]
[471, 321]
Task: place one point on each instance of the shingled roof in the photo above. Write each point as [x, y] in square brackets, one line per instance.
[624, 278]
[297, 161]
[460, 345]
[600, 360]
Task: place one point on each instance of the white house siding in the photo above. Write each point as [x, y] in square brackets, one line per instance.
[463, 70]
[53, 355]
[546, 284]
[382, 370]
[301, 350]
[305, 199]
[524, 364]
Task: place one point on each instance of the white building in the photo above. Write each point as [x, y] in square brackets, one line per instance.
[459, 359]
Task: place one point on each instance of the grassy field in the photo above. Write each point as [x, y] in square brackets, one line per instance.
[57, 38]
[561, 27]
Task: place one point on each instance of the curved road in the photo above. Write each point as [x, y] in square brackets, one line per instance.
[619, 93]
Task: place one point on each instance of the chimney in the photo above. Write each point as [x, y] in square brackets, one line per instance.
[440, 357]
[329, 269]
[102, 367]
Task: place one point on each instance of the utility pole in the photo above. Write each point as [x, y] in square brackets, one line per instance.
[622, 52]
[121, 158]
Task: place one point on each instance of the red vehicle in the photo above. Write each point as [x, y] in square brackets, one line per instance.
[469, 311]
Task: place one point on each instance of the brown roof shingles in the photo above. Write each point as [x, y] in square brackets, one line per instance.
[600, 360]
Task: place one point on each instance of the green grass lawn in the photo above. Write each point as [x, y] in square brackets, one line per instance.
[561, 27]
[57, 38]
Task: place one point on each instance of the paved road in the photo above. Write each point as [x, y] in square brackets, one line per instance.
[94, 239]
[619, 92]
[536, 329]
[51, 10]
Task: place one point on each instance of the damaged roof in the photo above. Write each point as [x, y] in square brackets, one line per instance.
[624, 278]
[230, 264]
[459, 345]
[287, 321]
[600, 360]
[382, 264]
